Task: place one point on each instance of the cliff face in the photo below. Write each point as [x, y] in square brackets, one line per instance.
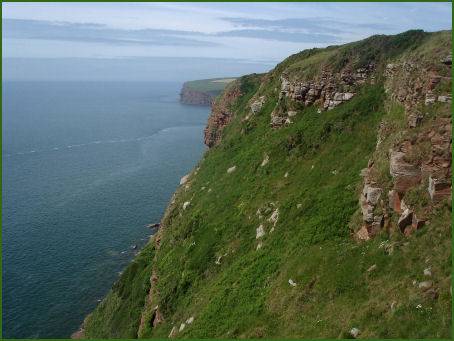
[189, 96]
[221, 114]
[322, 209]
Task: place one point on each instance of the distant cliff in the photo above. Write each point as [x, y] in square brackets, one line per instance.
[189, 96]
[203, 92]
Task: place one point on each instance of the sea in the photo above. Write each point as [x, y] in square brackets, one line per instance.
[85, 167]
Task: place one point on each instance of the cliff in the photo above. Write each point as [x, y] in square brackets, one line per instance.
[321, 210]
[203, 92]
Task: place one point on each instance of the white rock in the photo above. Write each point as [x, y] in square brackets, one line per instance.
[291, 282]
[299, 205]
[425, 285]
[427, 272]
[274, 217]
[286, 175]
[190, 320]
[231, 169]
[291, 113]
[393, 305]
[259, 246]
[347, 96]
[265, 160]
[182, 327]
[184, 179]
[372, 268]
[444, 99]
[260, 232]
[355, 332]
[186, 204]
[173, 333]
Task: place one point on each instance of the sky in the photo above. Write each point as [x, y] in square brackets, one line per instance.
[252, 36]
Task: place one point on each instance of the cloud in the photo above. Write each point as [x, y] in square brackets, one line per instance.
[97, 33]
[309, 25]
[294, 37]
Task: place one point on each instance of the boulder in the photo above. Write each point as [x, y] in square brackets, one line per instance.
[405, 219]
[265, 161]
[347, 96]
[190, 320]
[274, 217]
[405, 175]
[425, 285]
[186, 204]
[338, 96]
[182, 326]
[354, 332]
[372, 268]
[427, 272]
[291, 282]
[173, 332]
[439, 189]
[260, 232]
[369, 199]
[444, 99]
[447, 60]
[231, 169]
[184, 179]
[372, 194]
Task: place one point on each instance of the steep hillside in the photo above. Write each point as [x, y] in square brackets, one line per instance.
[322, 209]
[204, 91]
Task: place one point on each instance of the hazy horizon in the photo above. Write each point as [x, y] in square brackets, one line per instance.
[178, 42]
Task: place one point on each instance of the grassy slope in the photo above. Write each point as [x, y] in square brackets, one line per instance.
[248, 294]
[207, 85]
[118, 315]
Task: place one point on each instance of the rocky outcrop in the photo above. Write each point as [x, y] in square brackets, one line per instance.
[371, 204]
[190, 96]
[326, 91]
[221, 114]
[255, 107]
[415, 158]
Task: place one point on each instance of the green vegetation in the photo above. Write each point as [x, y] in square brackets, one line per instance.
[118, 315]
[213, 86]
[210, 265]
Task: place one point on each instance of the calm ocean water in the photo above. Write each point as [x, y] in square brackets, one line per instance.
[86, 165]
